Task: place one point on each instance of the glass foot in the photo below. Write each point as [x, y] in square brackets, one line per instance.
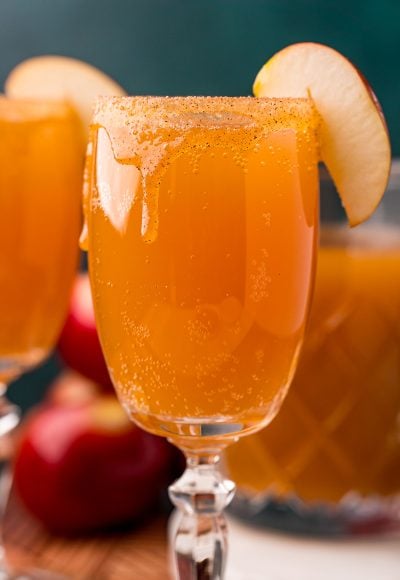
[9, 420]
[353, 515]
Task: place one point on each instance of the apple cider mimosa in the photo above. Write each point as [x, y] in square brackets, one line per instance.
[201, 242]
[40, 182]
[201, 223]
[337, 432]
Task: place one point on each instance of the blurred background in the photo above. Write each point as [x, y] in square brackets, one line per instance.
[170, 47]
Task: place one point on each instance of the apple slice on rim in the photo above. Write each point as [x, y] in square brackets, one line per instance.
[354, 140]
[61, 78]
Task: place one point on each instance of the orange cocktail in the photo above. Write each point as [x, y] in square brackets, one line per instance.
[40, 181]
[202, 223]
[337, 432]
[201, 230]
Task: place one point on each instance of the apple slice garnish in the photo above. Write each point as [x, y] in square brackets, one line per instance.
[354, 140]
[61, 78]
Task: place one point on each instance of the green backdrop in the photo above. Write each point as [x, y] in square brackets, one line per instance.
[204, 46]
[200, 47]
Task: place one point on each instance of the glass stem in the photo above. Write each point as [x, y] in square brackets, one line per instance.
[9, 419]
[200, 539]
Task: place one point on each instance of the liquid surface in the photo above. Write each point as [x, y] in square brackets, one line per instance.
[40, 181]
[201, 266]
[337, 432]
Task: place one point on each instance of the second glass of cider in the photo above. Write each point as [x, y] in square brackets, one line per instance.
[330, 461]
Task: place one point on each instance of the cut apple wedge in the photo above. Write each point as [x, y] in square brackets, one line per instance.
[354, 140]
[61, 78]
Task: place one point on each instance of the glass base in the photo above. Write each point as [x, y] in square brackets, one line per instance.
[353, 515]
[202, 432]
[9, 420]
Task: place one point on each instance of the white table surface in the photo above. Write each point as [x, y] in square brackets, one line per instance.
[261, 555]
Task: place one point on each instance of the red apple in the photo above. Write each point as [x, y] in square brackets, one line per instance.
[79, 344]
[84, 467]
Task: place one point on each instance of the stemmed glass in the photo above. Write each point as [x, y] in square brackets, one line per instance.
[40, 182]
[201, 230]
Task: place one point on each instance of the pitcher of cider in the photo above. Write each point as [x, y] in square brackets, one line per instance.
[329, 463]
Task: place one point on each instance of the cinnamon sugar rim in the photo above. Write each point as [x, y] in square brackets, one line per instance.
[151, 112]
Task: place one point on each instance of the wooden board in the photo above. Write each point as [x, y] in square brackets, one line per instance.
[139, 554]
[254, 553]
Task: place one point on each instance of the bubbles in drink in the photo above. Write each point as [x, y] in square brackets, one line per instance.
[204, 310]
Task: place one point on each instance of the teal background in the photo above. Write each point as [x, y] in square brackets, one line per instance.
[204, 46]
[199, 47]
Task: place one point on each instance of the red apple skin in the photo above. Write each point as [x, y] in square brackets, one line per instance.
[79, 344]
[78, 470]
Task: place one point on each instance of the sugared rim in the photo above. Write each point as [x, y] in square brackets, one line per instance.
[202, 111]
[194, 100]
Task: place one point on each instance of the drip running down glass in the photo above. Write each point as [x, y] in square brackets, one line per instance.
[201, 231]
[41, 163]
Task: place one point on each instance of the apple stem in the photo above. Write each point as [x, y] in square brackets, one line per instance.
[200, 540]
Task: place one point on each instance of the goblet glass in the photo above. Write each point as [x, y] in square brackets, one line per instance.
[40, 182]
[201, 216]
[330, 463]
